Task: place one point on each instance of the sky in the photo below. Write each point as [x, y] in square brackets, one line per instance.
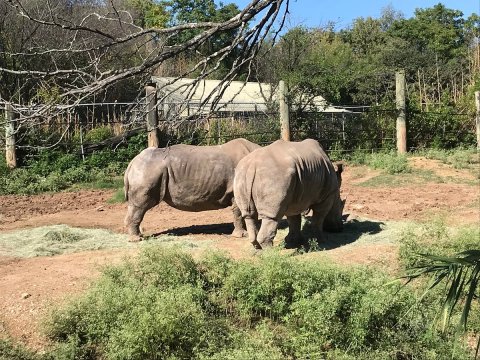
[315, 13]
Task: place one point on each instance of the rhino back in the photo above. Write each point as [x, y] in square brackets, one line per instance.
[238, 148]
[288, 178]
[199, 178]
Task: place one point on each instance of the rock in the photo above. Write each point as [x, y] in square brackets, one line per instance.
[26, 295]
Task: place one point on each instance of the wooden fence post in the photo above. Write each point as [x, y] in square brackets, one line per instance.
[284, 116]
[152, 115]
[477, 118]
[401, 113]
[10, 153]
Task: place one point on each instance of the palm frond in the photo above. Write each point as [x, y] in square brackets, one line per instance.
[461, 273]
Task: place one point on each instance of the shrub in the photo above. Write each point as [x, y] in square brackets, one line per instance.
[98, 134]
[435, 238]
[167, 305]
[392, 163]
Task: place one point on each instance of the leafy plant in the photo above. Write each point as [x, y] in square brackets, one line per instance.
[461, 273]
[391, 162]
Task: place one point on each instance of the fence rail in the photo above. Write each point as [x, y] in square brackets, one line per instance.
[359, 127]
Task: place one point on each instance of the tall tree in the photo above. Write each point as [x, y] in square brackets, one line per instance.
[104, 44]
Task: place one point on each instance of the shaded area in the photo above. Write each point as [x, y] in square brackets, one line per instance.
[217, 229]
[352, 231]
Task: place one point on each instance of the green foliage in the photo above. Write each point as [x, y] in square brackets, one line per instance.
[434, 237]
[447, 258]
[98, 134]
[11, 351]
[150, 13]
[392, 163]
[167, 305]
[118, 197]
[458, 158]
[55, 170]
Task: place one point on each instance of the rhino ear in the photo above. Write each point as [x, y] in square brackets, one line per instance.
[339, 168]
[338, 172]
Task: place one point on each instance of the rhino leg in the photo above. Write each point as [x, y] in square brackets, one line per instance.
[252, 228]
[294, 237]
[320, 212]
[133, 219]
[238, 222]
[267, 232]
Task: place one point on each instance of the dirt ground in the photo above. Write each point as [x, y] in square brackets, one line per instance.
[29, 287]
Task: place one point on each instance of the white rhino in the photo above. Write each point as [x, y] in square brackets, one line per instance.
[186, 177]
[288, 178]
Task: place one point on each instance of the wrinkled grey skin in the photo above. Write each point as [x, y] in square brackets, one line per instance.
[186, 177]
[288, 178]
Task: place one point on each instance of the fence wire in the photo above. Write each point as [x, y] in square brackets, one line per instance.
[352, 128]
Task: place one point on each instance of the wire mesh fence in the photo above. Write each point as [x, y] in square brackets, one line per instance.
[89, 126]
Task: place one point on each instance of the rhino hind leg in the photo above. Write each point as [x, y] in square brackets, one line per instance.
[294, 237]
[320, 212]
[252, 228]
[133, 219]
[267, 232]
[239, 225]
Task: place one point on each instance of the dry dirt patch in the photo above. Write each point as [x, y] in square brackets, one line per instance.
[48, 280]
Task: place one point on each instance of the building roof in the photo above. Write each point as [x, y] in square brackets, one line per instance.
[239, 96]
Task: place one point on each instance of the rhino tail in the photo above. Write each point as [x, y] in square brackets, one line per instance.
[125, 182]
[249, 181]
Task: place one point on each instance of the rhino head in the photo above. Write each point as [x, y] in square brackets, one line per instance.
[334, 220]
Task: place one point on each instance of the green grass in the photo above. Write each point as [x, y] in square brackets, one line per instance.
[56, 170]
[434, 237]
[391, 163]
[166, 305]
[117, 197]
[419, 176]
[457, 158]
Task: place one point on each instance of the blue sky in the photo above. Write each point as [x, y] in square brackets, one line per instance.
[313, 13]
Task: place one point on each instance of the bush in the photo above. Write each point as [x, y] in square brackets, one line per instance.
[98, 134]
[461, 158]
[392, 163]
[55, 170]
[435, 238]
[166, 305]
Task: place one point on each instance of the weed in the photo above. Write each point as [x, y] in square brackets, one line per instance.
[117, 197]
[390, 162]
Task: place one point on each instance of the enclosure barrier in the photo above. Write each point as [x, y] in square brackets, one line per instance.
[367, 128]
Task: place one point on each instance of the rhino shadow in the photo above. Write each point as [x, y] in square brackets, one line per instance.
[209, 229]
[352, 231]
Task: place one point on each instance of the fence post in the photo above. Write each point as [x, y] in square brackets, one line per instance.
[152, 116]
[401, 113]
[284, 116]
[477, 118]
[10, 153]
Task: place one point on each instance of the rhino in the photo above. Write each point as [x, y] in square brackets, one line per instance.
[288, 178]
[186, 177]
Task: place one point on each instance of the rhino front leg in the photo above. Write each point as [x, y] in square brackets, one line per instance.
[294, 237]
[267, 232]
[239, 225]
